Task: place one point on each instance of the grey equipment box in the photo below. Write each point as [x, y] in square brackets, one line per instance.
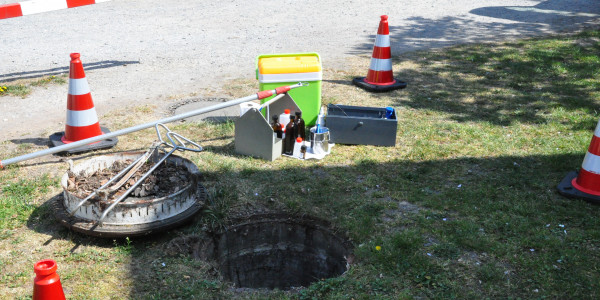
[358, 125]
[253, 134]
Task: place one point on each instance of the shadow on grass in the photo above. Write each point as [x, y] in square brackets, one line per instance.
[531, 82]
[496, 207]
[34, 141]
[341, 82]
[469, 231]
[42, 220]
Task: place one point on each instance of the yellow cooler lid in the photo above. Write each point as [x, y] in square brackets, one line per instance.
[289, 64]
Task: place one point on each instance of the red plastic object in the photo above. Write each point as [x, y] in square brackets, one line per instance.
[10, 11]
[46, 285]
[380, 77]
[282, 89]
[14, 9]
[382, 74]
[588, 180]
[264, 94]
[82, 121]
[585, 184]
[299, 140]
[76, 3]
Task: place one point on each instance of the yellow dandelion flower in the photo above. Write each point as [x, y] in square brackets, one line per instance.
[378, 248]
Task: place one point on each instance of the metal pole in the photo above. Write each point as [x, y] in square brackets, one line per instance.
[257, 96]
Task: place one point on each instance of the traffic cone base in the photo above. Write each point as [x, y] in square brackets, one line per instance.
[568, 187]
[586, 184]
[82, 120]
[56, 140]
[378, 88]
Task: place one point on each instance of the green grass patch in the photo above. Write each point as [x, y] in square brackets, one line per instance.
[19, 90]
[24, 87]
[465, 205]
[19, 199]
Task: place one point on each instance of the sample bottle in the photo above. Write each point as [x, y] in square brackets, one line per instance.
[297, 147]
[303, 152]
[290, 137]
[300, 126]
[284, 118]
[320, 121]
[277, 129]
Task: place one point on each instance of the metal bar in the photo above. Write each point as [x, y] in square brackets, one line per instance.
[270, 101]
[267, 105]
[260, 95]
[181, 146]
[124, 195]
[105, 185]
[176, 146]
[131, 172]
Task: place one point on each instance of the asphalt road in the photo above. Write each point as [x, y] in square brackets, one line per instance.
[141, 51]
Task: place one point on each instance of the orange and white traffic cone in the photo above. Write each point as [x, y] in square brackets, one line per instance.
[380, 77]
[46, 285]
[82, 120]
[586, 184]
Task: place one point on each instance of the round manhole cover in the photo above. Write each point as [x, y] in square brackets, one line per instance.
[167, 198]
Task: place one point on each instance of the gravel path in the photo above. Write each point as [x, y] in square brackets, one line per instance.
[144, 51]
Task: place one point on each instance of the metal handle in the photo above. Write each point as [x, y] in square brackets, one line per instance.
[80, 143]
[178, 142]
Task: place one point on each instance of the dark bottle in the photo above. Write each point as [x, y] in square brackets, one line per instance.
[300, 127]
[290, 136]
[277, 126]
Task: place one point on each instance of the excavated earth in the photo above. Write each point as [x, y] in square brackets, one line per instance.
[165, 180]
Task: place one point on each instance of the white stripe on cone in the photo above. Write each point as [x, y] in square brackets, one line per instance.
[378, 64]
[591, 163]
[39, 6]
[78, 86]
[382, 40]
[82, 117]
[597, 131]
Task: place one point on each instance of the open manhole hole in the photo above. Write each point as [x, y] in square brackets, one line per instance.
[171, 195]
[280, 251]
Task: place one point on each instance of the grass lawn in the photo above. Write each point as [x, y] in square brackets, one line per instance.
[22, 88]
[465, 205]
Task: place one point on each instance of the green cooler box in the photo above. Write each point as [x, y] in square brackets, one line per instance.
[275, 70]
